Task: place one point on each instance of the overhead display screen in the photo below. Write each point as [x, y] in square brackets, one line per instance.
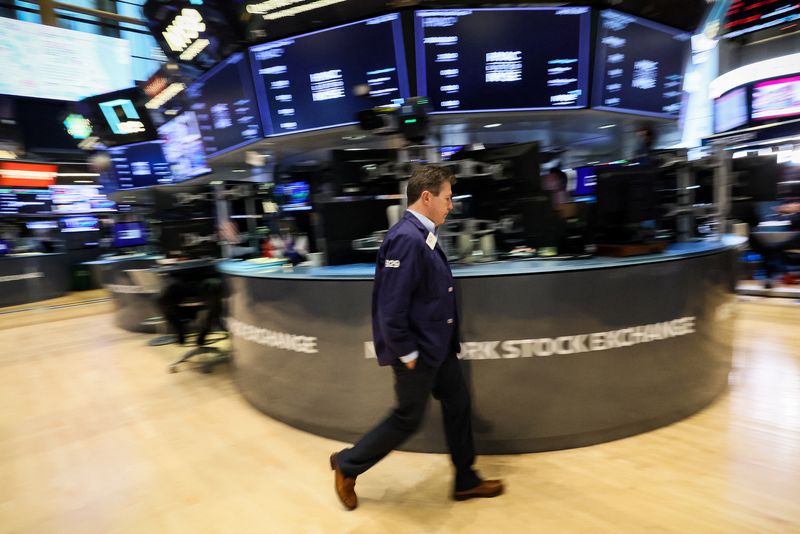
[306, 82]
[775, 99]
[639, 66]
[225, 105]
[48, 62]
[183, 146]
[119, 117]
[503, 59]
[140, 165]
[730, 110]
[747, 16]
[19, 201]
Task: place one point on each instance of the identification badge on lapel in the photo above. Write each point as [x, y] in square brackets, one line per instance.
[431, 240]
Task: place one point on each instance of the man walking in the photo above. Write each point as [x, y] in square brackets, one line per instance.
[415, 330]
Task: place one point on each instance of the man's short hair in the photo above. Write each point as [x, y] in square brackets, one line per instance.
[427, 178]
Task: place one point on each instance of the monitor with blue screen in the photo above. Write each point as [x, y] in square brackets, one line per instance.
[129, 234]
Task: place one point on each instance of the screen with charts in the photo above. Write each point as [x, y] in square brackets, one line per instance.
[747, 16]
[503, 59]
[183, 146]
[140, 165]
[639, 66]
[775, 99]
[21, 201]
[225, 105]
[730, 110]
[306, 82]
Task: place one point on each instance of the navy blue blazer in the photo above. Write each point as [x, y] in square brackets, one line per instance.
[414, 299]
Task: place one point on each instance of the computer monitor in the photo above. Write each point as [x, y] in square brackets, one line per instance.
[4, 248]
[585, 181]
[189, 239]
[84, 223]
[183, 202]
[129, 234]
[293, 196]
[627, 203]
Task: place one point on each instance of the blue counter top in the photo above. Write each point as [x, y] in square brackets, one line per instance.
[123, 257]
[366, 271]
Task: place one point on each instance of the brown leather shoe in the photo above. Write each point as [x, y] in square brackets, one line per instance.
[487, 488]
[345, 486]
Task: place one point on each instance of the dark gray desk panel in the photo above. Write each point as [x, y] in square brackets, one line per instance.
[554, 359]
[31, 278]
[132, 304]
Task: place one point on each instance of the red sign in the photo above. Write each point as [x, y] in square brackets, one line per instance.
[17, 174]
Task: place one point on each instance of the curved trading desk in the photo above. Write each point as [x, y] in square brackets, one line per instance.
[33, 277]
[133, 304]
[558, 354]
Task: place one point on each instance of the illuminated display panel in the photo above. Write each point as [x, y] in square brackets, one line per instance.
[730, 110]
[225, 105]
[638, 66]
[48, 62]
[503, 59]
[745, 17]
[775, 99]
[306, 82]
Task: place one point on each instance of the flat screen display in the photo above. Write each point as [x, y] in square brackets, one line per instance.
[730, 110]
[775, 99]
[4, 248]
[306, 82]
[119, 118]
[140, 165]
[129, 234]
[747, 16]
[183, 146]
[585, 181]
[503, 59]
[293, 196]
[47, 62]
[80, 199]
[79, 224]
[639, 66]
[225, 105]
[20, 201]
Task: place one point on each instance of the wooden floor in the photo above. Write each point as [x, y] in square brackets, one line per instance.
[96, 437]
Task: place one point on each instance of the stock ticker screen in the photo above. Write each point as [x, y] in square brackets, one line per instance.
[306, 82]
[225, 106]
[747, 16]
[639, 66]
[503, 59]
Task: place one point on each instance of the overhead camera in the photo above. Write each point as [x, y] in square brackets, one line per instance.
[408, 116]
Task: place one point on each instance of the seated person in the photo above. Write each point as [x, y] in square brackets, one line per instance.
[202, 283]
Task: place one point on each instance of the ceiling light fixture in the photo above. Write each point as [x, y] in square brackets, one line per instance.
[493, 125]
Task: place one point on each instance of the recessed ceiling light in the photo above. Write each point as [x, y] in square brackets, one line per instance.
[603, 127]
[493, 125]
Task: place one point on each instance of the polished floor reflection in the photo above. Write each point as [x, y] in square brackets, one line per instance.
[96, 436]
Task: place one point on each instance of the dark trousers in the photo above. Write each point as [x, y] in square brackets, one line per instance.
[413, 388]
[209, 290]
